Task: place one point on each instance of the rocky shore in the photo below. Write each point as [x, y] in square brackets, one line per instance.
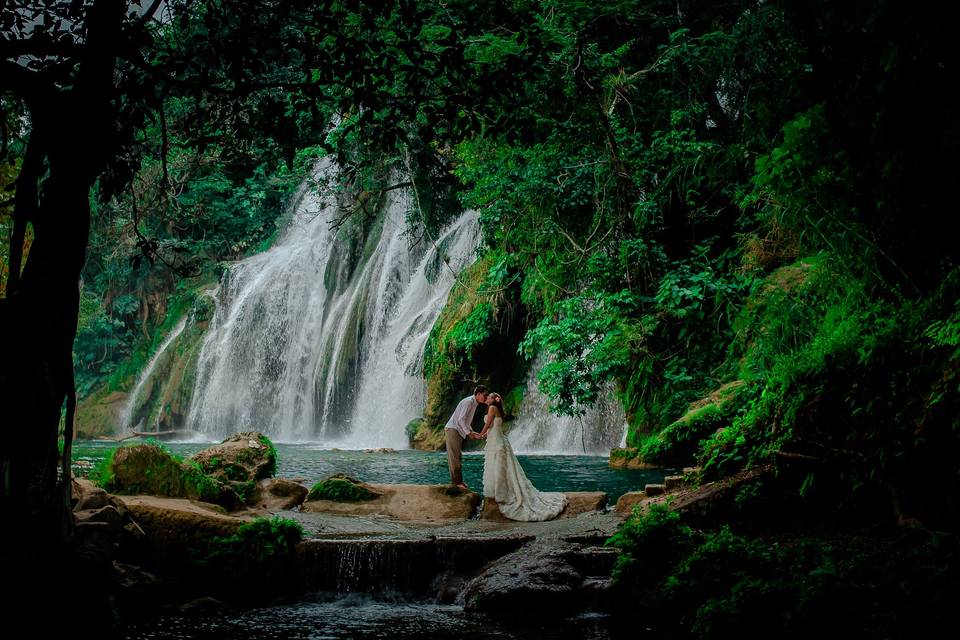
[165, 526]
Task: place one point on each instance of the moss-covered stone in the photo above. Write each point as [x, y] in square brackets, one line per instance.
[150, 469]
[341, 488]
[428, 438]
[628, 458]
[679, 442]
[98, 413]
[466, 347]
[239, 462]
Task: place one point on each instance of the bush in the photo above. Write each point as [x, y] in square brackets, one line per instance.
[721, 584]
[648, 543]
[260, 541]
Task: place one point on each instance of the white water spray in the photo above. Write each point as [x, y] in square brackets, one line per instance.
[321, 337]
[537, 430]
[126, 416]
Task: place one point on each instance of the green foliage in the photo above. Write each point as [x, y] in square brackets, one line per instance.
[464, 324]
[102, 473]
[340, 488]
[153, 470]
[648, 543]
[273, 457]
[472, 331]
[261, 541]
[714, 584]
[946, 333]
[412, 428]
[846, 390]
[679, 442]
[513, 399]
[590, 343]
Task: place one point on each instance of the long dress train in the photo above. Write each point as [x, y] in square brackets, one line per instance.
[505, 482]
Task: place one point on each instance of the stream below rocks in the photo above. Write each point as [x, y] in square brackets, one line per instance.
[356, 616]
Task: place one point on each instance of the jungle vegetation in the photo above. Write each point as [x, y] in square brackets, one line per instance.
[733, 212]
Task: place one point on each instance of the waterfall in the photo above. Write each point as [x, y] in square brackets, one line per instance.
[126, 416]
[392, 391]
[321, 337]
[537, 430]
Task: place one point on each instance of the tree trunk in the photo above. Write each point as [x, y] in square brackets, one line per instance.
[39, 321]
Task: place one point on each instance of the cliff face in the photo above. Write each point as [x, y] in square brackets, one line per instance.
[163, 398]
[474, 341]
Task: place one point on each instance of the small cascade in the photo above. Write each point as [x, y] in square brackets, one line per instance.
[126, 416]
[321, 338]
[413, 566]
[538, 431]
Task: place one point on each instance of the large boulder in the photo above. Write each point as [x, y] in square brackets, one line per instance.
[239, 462]
[536, 578]
[277, 494]
[87, 495]
[173, 525]
[151, 470]
[438, 504]
[628, 501]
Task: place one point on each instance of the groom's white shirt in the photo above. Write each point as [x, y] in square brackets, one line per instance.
[462, 416]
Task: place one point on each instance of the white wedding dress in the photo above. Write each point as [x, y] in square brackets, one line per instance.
[505, 482]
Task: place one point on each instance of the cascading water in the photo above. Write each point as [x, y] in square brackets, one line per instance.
[126, 416]
[537, 430]
[321, 337]
[392, 391]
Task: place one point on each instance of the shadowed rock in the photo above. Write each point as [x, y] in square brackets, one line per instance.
[277, 494]
[87, 495]
[535, 578]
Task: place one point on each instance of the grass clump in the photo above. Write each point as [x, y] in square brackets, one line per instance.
[340, 488]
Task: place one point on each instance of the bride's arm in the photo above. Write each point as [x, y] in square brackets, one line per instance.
[488, 421]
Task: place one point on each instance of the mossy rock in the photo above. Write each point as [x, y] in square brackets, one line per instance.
[341, 488]
[243, 457]
[628, 458]
[98, 414]
[240, 462]
[427, 437]
[679, 443]
[149, 469]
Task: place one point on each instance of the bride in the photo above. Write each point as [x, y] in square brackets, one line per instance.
[504, 479]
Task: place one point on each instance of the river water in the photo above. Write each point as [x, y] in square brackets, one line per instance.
[311, 463]
[362, 617]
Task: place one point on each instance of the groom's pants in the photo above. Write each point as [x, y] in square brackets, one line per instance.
[454, 455]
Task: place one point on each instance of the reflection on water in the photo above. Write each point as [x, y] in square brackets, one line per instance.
[310, 463]
[362, 617]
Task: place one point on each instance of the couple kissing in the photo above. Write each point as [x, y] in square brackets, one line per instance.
[503, 478]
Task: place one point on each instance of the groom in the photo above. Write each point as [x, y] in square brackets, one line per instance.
[458, 429]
